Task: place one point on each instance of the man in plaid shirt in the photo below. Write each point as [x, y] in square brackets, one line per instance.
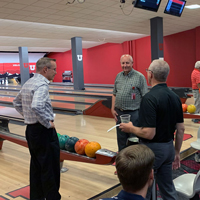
[129, 88]
[34, 104]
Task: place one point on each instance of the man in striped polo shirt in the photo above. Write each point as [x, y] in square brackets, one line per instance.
[195, 78]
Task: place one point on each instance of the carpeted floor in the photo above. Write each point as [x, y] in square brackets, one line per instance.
[188, 165]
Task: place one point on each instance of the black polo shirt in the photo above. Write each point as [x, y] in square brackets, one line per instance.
[161, 108]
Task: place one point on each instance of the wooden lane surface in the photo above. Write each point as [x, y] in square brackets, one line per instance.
[64, 90]
[57, 97]
[83, 180]
[60, 105]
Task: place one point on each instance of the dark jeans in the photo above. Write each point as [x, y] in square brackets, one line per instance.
[164, 156]
[122, 136]
[45, 162]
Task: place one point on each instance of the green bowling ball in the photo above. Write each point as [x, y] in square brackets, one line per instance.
[58, 134]
[70, 143]
[62, 140]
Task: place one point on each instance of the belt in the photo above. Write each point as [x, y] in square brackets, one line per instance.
[149, 141]
[124, 110]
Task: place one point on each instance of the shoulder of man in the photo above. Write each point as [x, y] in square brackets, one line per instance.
[139, 73]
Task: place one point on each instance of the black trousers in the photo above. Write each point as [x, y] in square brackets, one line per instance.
[45, 162]
[122, 136]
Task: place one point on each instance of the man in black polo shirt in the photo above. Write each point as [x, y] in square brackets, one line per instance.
[159, 116]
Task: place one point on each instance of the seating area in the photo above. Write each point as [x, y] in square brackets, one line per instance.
[188, 185]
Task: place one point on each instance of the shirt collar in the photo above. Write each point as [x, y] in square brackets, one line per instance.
[126, 195]
[160, 85]
[130, 73]
[40, 76]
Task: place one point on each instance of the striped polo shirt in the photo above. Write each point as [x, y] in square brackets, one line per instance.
[195, 78]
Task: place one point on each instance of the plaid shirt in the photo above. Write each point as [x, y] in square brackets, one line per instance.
[134, 84]
[33, 101]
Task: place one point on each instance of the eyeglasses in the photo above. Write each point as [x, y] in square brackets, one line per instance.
[148, 70]
[52, 68]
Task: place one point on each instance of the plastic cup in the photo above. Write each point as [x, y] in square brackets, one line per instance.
[125, 118]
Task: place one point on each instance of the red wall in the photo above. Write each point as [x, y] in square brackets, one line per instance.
[179, 52]
[143, 54]
[101, 64]
[15, 68]
[64, 63]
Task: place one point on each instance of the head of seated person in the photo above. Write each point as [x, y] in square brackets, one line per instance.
[134, 169]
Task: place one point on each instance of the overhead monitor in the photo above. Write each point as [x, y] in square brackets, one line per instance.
[151, 5]
[175, 7]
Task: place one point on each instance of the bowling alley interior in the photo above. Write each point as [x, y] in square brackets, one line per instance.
[87, 38]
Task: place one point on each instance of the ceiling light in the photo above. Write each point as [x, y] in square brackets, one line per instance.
[194, 6]
[81, 1]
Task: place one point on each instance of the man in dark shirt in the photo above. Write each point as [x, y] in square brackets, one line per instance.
[134, 170]
[159, 116]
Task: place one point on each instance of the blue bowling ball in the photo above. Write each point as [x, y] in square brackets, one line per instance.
[70, 143]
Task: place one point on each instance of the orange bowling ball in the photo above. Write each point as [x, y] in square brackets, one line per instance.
[91, 148]
[184, 107]
[80, 146]
[191, 108]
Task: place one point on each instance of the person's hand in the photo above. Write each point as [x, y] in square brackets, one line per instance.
[52, 124]
[114, 113]
[176, 164]
[126, 127]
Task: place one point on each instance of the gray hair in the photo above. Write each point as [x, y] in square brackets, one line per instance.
[197, 65]
[160, 69]
[44, 62]
[127, 55]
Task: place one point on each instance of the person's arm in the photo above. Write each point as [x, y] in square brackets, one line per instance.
[40, 98]
[178, 143]
[198, 85]
[17, 103]
[147, 133]
[143, 86]
[114, 113]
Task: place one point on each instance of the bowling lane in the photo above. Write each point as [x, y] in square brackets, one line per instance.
[87, 179]
[91, 94]
[56, 105]
[56, 97]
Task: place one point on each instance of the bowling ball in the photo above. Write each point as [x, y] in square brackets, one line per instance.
[62, 140]
[70, 143]
[91, 148]
[191, 108]
[58, 134]
[184, 107]
[80, 146]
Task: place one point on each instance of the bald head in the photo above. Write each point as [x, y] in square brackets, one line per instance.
[160, 69]
[127, 56]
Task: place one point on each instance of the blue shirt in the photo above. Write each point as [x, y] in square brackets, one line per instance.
[123, 195]
[33, 101]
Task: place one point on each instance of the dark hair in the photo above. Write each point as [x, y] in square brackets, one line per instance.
[44, 62]
[134, 165]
